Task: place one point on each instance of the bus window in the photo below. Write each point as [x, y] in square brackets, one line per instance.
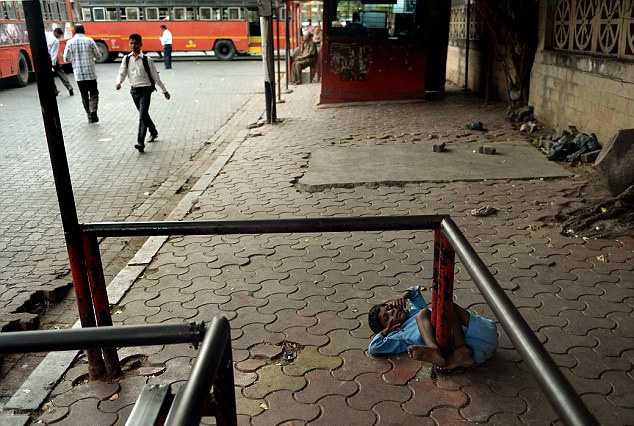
[164, 14]
[99, 13]
[189, 14]
[132, 13]
[216, 14]
[179, 13]
[234, 13]
[10, 10]
[151, 14]
[85, 14]
[204, 14]
[111, 14]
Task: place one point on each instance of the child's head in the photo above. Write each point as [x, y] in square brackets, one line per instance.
[381, 315]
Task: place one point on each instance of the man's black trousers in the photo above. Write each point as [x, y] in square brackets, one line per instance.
[142, 97]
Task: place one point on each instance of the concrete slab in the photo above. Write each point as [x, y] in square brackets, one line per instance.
[407, 163]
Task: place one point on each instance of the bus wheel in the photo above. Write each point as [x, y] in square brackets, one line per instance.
[22, 77]
[224, 50]
[104, 54]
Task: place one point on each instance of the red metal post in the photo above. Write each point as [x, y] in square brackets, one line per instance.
[61, 175]
[99, 293]
[442, 297]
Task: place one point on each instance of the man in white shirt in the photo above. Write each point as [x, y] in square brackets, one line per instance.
[166, 42]
[140, 70]
[52, 42]
[82, 52]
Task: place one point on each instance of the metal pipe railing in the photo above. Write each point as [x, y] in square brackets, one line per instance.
[559, 391]
[97, 337]
[213, 367]
[245, 227]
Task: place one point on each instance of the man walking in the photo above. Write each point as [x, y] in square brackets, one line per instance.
[141, 72]
[82, 51]
[166, 42]
[52, 42]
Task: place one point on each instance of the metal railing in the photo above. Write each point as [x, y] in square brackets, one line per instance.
[210, 387]
[448, 241]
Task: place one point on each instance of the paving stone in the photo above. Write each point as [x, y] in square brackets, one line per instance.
[447, 416]
[334, 410]
[322, 383]
[87, 409]
[241, 299]
[318, 304]
[621, 383]
[483, 404]
[560, 342]
[250, 315]
[372, 390]
[243, 379]
[283, 408]
[254, 334]
[340, 341]
[287, 318]
[404, 369]
[94, 390]
[205, 297]
[271, 378]
[539, 410]
[301, 336]
[608, 414]
[278, 302]
[310, 359]
[600, 308]
[391, 414]
[307, 289]
[249, 365]
[611, 343]
[427, 397]
[356, 362]
[328, 321]
[53, 414]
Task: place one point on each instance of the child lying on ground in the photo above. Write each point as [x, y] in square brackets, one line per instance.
[399, 329]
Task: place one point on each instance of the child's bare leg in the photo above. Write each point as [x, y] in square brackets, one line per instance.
[461, 356]
[429, 352]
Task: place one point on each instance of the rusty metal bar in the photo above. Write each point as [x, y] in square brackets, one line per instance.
[209, 370]
[61, 175]
[444, 261]
[100, 303]
[245, 227]
[559, 391]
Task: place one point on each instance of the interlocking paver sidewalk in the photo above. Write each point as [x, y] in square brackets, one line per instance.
[314, 290]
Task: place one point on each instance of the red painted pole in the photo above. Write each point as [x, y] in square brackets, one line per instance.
[442, 298]
[97, 284]
[61, 175]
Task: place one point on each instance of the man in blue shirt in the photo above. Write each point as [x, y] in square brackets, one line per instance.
[399, 329]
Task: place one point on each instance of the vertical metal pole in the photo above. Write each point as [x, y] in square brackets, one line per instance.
[287, 46]
[443, 291]
[100, 298]
[61, 175]
[266, 26]
[467, 46]
[224, 393]
[277, 35]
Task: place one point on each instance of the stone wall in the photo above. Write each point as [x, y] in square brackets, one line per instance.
[593, 91]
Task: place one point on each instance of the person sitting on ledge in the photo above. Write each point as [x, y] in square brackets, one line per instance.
[401, 329]
[303, 57]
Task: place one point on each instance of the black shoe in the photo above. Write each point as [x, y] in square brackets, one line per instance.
[153, 137]
[139, 147]
[89, 115]
[95, 118]
[70, 92]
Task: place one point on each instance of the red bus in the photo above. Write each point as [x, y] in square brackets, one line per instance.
[15, 52]
[225, 27]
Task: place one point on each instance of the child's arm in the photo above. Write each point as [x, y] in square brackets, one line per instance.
[416, 297]
[393, 343]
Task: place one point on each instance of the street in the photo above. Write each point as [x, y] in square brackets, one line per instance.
[111, 180]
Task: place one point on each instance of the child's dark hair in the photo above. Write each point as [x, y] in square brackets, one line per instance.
[136, 37]
[373, 319]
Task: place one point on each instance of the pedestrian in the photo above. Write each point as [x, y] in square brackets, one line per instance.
[82, 51]
[401, 329]
[166, 42]
[52, 42]
[139, 69]
[303, 57]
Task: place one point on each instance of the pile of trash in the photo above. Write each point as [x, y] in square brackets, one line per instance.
[571, 146]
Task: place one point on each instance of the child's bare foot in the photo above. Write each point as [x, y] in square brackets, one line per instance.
[426, 354]
[461, 357]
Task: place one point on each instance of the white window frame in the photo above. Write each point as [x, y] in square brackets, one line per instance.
[184, 11]
[147, 15]
[127, 15]
[200, 13]
[86, 14]
[94, 13]
[231, 9]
